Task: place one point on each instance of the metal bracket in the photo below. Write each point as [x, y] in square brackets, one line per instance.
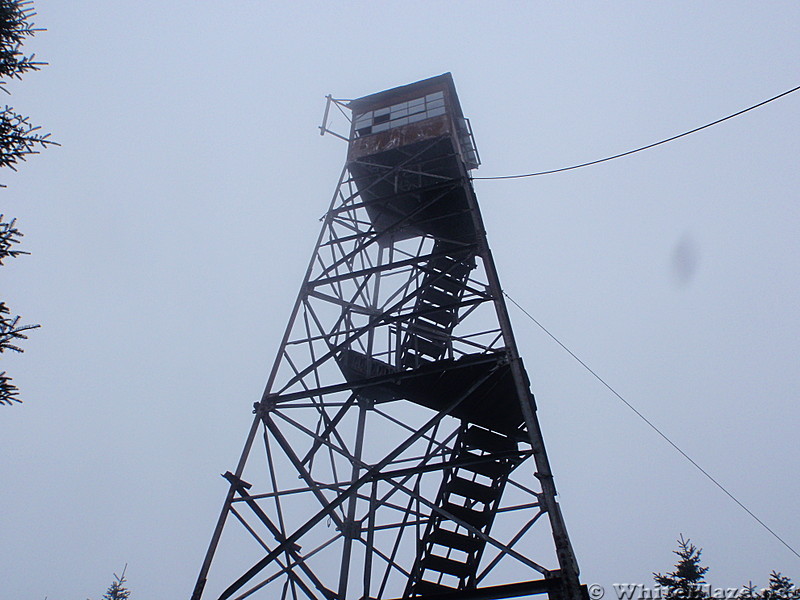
[323, 129]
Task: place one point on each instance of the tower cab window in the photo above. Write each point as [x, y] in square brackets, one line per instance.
[397, 115]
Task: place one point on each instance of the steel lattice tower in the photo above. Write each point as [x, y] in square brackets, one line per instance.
[402, 456]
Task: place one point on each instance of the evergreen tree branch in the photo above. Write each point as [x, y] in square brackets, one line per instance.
[9, 236]
[8, 391]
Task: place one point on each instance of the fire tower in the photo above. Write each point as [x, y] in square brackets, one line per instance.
[396, 452]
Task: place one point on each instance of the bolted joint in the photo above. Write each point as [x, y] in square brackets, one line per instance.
[351, 529]
[366, 403]
[266, 405]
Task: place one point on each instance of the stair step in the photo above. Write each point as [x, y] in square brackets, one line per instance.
[436, 296]
[426, 347]
[446, 565]
[433, 331]
[457, 541]
[484, 439]
[428, 588]
[493, 469]
[472, 490]
[432, 312]
[447, 284]
[440, 320]
[478, 519]
[453, 266]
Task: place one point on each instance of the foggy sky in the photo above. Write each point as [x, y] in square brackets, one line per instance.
[171, 230]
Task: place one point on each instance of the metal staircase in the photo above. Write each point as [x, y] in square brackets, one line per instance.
[454, 540]
[435, 313]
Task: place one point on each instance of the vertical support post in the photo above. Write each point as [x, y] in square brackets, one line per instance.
[571, 588]
[352, 528]
[223, 515]
[323, 127]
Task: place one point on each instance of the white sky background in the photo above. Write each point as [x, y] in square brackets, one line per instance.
[171, 230]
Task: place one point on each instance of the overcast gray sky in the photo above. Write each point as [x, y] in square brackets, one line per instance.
[170, 231]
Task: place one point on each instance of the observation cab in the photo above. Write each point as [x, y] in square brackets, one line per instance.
[407, 145]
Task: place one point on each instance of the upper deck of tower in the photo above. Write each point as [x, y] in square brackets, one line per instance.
[409, 114]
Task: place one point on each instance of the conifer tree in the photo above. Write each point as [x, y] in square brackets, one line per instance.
[686, 581]
[117, 589]
[780, 588]
[748, 592]
[19, 138]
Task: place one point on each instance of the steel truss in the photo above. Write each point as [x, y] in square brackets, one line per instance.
[402, 456]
